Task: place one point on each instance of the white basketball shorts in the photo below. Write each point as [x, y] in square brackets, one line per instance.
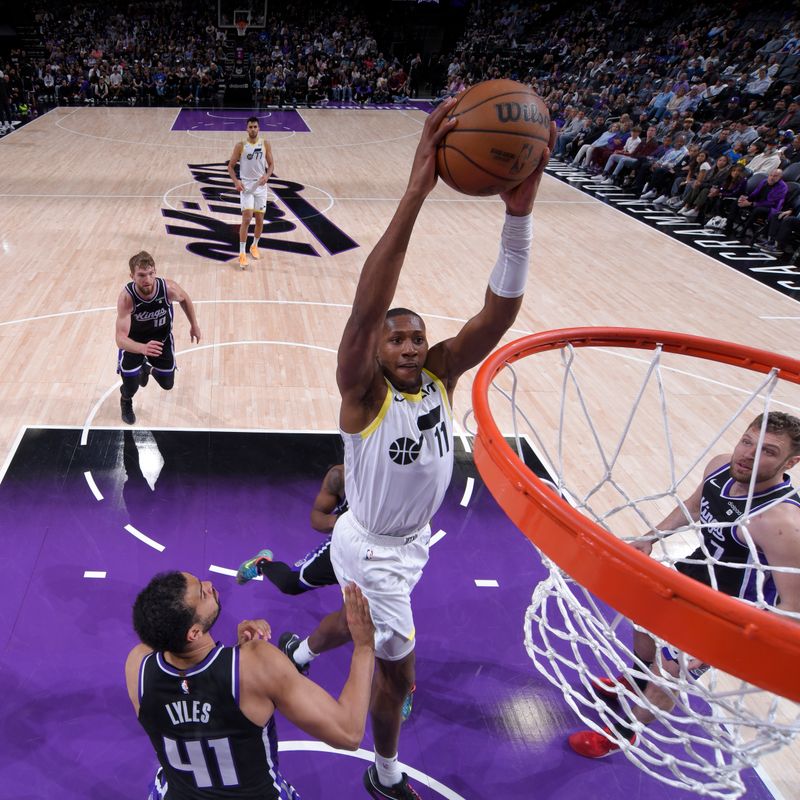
[386, 569]
[254, 197]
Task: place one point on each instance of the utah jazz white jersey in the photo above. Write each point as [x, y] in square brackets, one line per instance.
[253, 163]
[399, 467]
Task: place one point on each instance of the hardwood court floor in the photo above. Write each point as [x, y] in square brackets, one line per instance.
[84, 189]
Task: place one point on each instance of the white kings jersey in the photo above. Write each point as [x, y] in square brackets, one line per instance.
[253, 163]
[398, 468]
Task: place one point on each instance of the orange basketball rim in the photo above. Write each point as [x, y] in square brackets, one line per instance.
[753, 644]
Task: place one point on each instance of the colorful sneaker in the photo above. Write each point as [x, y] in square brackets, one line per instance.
[591, 744]
[144, 374]
[254, 251]
[288, 643]
[126, 407]
[607, 687]
[242, 261]
[408, 703]
[400, 791]
[252, 567]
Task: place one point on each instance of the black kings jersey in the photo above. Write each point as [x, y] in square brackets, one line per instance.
[205, 744]
[720, 514]
[151, 319]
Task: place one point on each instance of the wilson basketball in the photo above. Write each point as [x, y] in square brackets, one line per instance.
[503, 129]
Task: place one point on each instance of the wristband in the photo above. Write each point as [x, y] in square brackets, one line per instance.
[510, 272]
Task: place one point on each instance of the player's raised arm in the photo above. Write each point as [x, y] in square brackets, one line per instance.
[266, 673]
[377, 283]
[452, 357]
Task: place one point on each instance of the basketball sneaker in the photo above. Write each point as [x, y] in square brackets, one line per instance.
[408, 704]
[242, 261]
[126, 407]
[144, 374]
[606, 687]
[288, 643]
[400, 791]
[591, 744]
[254, 251]
[252, 567]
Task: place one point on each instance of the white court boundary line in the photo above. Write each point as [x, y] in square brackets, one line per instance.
[663, 233]
[143, 537]
[88, 422]
[216, 145]
[367, 755]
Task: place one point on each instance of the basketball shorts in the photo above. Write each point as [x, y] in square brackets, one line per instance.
[129, 364]
[315, 569]
[387, 569]
[254, 197]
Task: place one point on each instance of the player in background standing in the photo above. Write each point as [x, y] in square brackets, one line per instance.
[256, 164]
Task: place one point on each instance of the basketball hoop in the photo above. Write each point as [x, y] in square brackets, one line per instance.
[241, 27]
[715, 726]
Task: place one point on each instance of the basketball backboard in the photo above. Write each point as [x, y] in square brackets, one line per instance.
[229, 12]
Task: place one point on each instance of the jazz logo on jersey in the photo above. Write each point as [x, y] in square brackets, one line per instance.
[213, 230]
[404, 451]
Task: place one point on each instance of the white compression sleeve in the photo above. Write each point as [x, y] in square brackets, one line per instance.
[510, 273]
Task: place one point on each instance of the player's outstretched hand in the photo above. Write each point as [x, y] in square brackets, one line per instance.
[359, 620]
[519, 200]
[249, 629]
[423, 170]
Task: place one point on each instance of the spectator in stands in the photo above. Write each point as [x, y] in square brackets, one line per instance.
[584, 155]
[625, 157]
[699, 193]
[763, 203]
[766, 161]
[782, 228]
[662, 173]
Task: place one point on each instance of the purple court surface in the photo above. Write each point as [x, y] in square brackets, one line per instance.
[85, 527]
[270, 119]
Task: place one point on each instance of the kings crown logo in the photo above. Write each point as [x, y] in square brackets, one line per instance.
[218, 239]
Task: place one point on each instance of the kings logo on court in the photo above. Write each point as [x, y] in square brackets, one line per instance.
[213, 227]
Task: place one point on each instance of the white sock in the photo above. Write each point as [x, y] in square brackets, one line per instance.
[388, 769]
[304, 654]
[242, 246]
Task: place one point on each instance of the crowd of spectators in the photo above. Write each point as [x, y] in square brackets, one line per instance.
[694, 107]
[668, 100]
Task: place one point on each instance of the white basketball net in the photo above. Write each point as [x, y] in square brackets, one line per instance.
[720, 724]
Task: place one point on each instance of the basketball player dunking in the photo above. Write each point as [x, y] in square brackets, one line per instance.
[144, 330]
[721, 561]
[396, 423]
[254, 157]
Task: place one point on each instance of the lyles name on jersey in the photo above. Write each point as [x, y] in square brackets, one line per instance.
[183, 711]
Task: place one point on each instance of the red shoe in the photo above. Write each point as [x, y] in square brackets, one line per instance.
[591, 744]
[608, 687]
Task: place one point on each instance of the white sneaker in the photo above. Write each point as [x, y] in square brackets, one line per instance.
[660, 200]
[691, 213]
[648, 195]
[608, 182]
